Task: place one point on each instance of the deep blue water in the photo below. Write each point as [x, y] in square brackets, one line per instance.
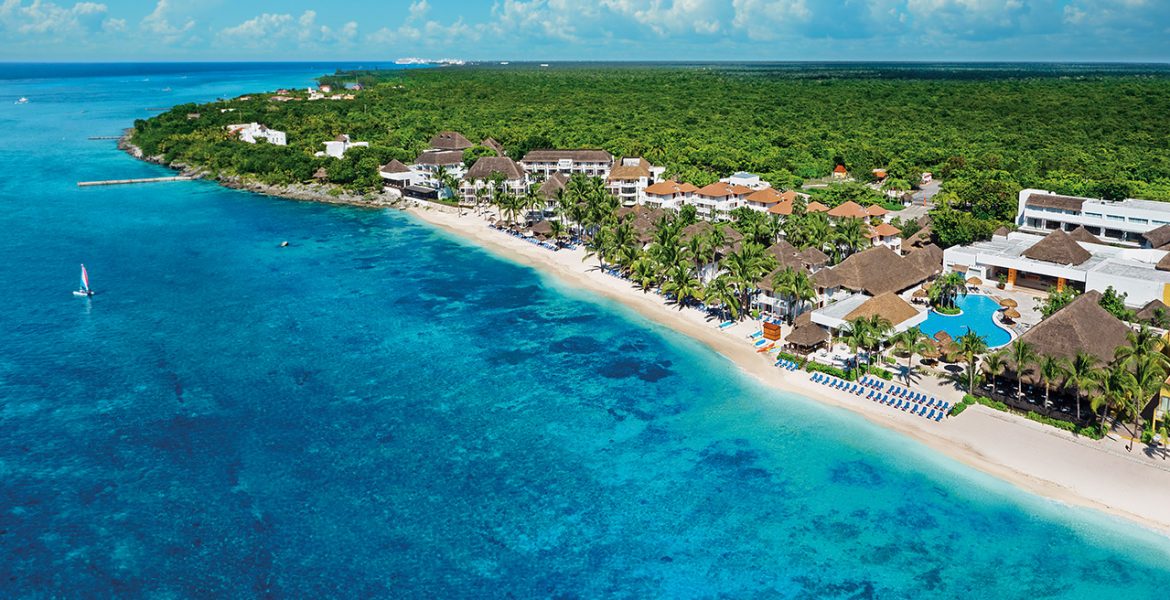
[380, 410]
[979, 315]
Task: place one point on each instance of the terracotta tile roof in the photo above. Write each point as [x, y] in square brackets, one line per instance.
[765, 196]
[721, 189]
[876, 210]
[840, 169]
[668, 187]
[884, 230]
[848, 210]
[624, 172]
[784, 208]
[815, 206]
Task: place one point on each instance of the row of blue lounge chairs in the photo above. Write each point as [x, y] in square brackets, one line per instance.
[898, 391]
[787, 364]
[517, 234]
[933, 411]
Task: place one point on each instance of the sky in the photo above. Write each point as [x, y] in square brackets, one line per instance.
[694, 30]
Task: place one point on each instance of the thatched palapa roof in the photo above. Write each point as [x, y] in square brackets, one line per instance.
[1158, 237]
[1148, 311]
[395, 166]
[1058, 248]
[879, 270]
[807, 334]
[889, 306]
[1082, 326]
[486, 165]
[553, 185]
[450, 140]
[1080, 234]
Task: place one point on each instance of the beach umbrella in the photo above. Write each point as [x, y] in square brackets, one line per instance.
[974, 281]
[1011, 313]
[1008, 303]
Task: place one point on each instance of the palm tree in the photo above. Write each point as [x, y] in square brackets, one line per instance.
[598, 246]
[1115, 384]
[557, 229]
[645, 272]
[1083, 375]
[746, 267]
[995, 364]
[1023, 355]
[856, 334]
[946, 289]
[720, 291]
[848, 237]
[1050, 369]
[911, 342]
[447, 181]
[971, 346]
[796, 288]
[683, 283]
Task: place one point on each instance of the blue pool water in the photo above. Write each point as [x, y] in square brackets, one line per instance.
[381, 410]
[978, 316]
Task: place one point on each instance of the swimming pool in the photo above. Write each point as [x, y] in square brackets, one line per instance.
[978, 316]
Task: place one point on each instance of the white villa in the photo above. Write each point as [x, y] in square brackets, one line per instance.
[629, 177]
[1123, 221]
[339, 145]
[254, 132]
[1059, 259]
[667, 194]
[716, 201]
[594, 163]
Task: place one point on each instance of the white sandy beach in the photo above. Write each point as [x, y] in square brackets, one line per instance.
[1037, 458]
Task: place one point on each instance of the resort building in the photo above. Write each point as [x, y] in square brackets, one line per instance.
[668, 194]
[430, 161]
[397, 176]
[1123, 221]
[337, 147]
[1058, 260]
[763, 200]
[543, 163]
[748, 180]
[783, 208]
[630, 176]
[809, 260]
[884, 234]
[254, 132]
[716, 201]
[550, 191]
[840, 172]
[450, 140]
[479, 177]
[899, 313]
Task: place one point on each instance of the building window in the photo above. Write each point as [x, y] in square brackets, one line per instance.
[1095, 215]
[1116, 218]
[1140, 221]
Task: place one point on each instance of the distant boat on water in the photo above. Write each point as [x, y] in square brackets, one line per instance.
[22, 100]
[84, 290]
[504, 62]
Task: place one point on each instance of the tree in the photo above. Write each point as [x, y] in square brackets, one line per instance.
[1082, 375]
[448, 182]
[645, 273]
[971, 346]
[747, 266]
[721, 292]
[1023, 355]
[910, 342]
[598, 246]
[995, 364]
[1050, 369]
[1114, 302]
[682, 282]
[848, 237]
[795, 286]
[1056, 300]
[946, 289]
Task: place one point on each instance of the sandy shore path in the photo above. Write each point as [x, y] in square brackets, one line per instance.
[1037, 458]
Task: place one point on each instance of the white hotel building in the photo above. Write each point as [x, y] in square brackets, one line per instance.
[1123, 221]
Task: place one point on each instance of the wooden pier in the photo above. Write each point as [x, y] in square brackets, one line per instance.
[129, 181]
[104, 137]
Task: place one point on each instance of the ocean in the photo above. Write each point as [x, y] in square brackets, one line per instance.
[382, 410]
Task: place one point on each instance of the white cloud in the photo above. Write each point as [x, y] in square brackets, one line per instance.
[676, 16]
[49, 19]
[158, 23]
[269, 30]
[766, 19]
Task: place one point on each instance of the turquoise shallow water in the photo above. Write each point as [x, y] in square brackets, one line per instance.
[380, 410]
[979, 315]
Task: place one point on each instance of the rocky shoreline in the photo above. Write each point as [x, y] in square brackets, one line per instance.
[305, 192]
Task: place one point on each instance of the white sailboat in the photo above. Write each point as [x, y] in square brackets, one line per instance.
[22, 100]
[84, 290]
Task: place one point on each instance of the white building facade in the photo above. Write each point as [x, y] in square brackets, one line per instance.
[1122, 221]
[254, 132]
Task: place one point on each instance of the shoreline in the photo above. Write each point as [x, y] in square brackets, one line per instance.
[1038, 459]
[1044, 461]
